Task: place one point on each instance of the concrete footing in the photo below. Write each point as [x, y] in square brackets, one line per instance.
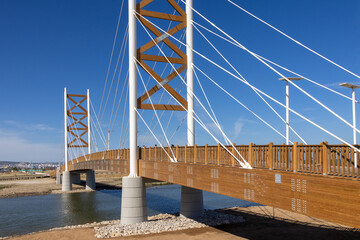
[90, 180]
[75, 178]
[66, 181]
[133, 200]
[58, 176]
[192, 205]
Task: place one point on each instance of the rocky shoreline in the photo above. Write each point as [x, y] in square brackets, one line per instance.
[155, 224]
[166, 223]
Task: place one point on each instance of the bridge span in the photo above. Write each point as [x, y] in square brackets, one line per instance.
[315, 180]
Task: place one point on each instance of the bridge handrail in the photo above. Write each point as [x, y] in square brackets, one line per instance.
[326, 159]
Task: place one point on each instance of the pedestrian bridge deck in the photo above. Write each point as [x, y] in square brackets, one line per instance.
[316, 180]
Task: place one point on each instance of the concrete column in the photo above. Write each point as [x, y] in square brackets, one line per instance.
[75, 178]
[66, 181]
[133, 200]
[192, 205]
[58, 176]
[90, 180]
[191, 199]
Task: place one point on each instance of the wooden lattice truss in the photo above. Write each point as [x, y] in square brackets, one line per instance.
[161, 37]
[77, 128]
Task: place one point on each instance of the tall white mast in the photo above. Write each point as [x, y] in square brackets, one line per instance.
[65, 131]
[132, 90]
[190, 74]
[88, 121]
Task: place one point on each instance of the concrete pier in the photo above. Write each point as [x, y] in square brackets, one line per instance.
[90, 180]
[133, 201]
[58, 176]
[192, 205]
[75, 178]
[66, 181]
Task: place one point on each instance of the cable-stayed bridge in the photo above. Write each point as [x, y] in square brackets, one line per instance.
[319, 180]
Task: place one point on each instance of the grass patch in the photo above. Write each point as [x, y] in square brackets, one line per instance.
[4, 186]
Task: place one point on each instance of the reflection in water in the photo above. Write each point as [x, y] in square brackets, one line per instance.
[30, 214]
[79, 207]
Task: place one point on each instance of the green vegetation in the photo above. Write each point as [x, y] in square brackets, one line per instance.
[4, 186]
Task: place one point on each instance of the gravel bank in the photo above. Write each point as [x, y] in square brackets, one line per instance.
[166, 223]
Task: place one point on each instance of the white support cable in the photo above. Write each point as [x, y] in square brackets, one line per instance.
[112, 52]
[121, 55]
[277, 65]
[171, 159]
[251, 53]
[125, 134]
[258, 94]
[208, 102]
[201, 55]
[101, 133]
[152, 105]
[167, 126]
[162, 94]
[171, 116]
[146, 139]
[245, 162]
[116, 91]
[162, 44]
[242, 163]
[98, 132]
[98, 126]
[94, 147]
[243, 105]
[124, 113]
[193, 93]
[182, 121]
[296, 113]
[119, 103]
[294, 40]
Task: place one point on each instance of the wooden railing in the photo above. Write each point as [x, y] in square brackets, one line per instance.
[337, 160]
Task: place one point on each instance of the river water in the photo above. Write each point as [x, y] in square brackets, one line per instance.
[23, 215]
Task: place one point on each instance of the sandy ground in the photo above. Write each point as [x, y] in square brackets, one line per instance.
[260, 224]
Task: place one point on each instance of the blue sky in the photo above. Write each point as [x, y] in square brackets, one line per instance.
[48, 45]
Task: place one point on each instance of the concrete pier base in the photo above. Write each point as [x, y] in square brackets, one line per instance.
[75, 178]
[58, 176]
[66, 181]
[90, 180]
[192, 205]
[133, 200]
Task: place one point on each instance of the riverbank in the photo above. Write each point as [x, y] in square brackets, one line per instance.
[261, 222]
[43, 186]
